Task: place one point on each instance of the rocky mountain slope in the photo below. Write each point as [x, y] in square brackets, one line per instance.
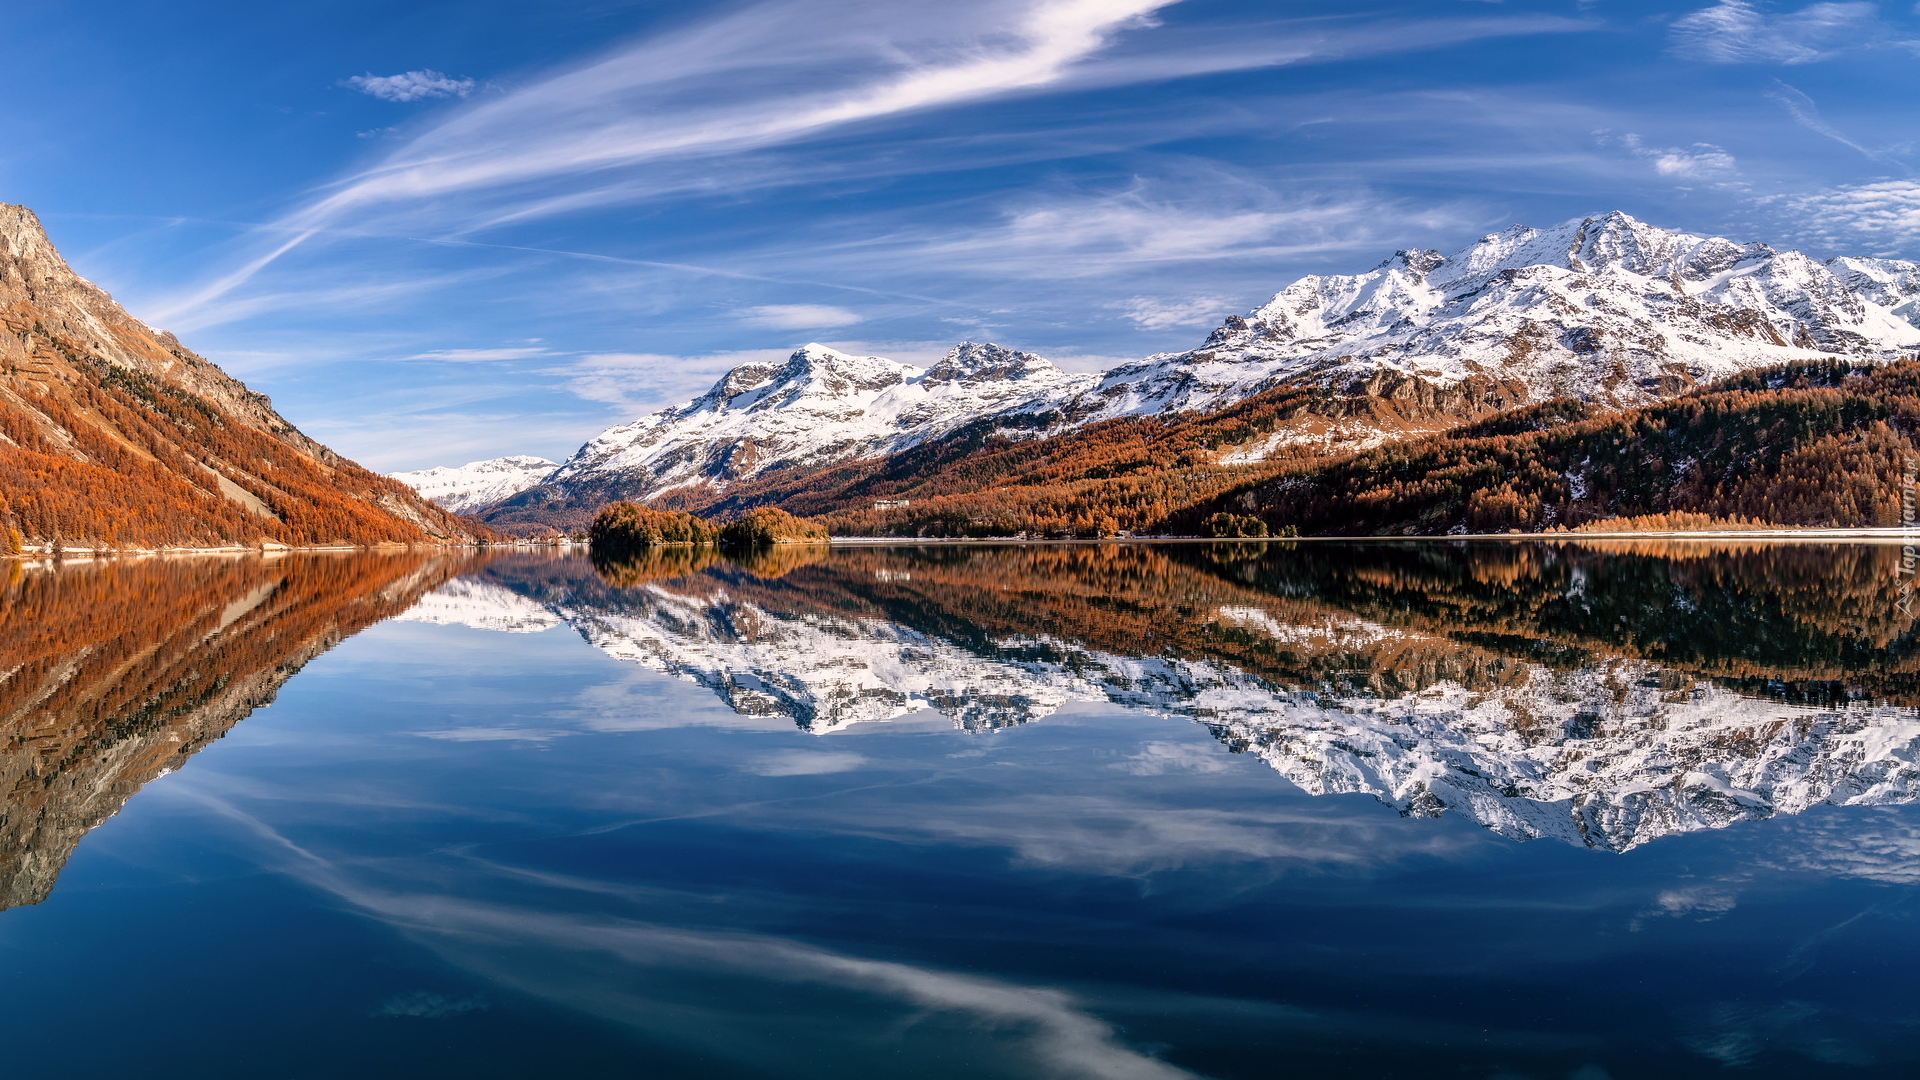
[1607, 310]
[477, 484]
[113, 434]
[818, 408]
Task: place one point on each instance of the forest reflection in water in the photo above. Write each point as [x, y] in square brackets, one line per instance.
[887, 810]
[1603, 693]
[116, 671]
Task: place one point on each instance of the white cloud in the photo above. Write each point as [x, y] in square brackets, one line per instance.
[1152, 313]
[1696, 162]
[1737, 32]
[1079, 235]
[409, 86]
[1700, 902]
[799, 316]
[1161, 758]
[1877, 216]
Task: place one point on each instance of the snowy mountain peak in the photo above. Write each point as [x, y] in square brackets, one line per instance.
[970, 362]
[477, 484]
[818, 407]
[1608, 309]
[839, 373]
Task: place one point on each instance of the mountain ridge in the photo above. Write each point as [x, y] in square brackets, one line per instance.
[1606, 310]
[114, 435]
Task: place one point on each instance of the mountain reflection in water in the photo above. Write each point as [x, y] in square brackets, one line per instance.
[113, 673]
[1602, 694]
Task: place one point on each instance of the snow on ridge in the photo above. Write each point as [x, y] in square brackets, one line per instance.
[819, 407]
[477, 484]
[1608, 309]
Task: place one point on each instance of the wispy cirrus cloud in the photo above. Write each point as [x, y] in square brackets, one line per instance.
[634, 381]
[1739, 32]
[469, 356]
[768, 74]
[1807, 115]
[654, 115]
[1156, 313]
[1077, 234]
[807, 763]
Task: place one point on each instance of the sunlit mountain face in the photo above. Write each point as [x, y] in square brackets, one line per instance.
[1601, 694]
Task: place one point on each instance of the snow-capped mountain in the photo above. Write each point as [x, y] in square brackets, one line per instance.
[477, 484]
[819, 407]
[1607, 309]
[1610, 755]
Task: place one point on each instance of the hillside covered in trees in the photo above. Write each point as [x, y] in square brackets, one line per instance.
[1805, 444]
[114, 435]
[1816, 444]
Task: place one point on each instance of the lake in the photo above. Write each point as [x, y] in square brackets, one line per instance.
[1294, 809]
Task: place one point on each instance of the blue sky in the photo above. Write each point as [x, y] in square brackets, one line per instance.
[436, 232]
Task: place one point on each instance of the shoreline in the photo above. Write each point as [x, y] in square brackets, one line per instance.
[39, 555]
[1871, 535]
[1784, 535]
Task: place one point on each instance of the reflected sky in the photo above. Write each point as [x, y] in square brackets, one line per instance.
[443, 849]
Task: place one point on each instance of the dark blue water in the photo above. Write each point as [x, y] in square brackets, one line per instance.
[666, 824]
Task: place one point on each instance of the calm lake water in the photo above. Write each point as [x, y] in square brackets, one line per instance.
[1256, 810]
